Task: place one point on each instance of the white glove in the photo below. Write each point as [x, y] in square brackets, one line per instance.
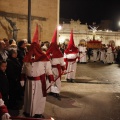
[6, 116]
[22, 83]
[77, 60]
[52, 82]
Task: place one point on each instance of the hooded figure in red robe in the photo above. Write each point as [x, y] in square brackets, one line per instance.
[71, 55]
[35, 68]
[58, 66]
[4, 115]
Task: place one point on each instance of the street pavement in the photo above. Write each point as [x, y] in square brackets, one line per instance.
[95, 95]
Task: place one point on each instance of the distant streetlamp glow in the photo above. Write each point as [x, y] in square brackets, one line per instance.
[59, 27]
[119, 23]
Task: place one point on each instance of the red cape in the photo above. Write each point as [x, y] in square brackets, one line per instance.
[37, 54]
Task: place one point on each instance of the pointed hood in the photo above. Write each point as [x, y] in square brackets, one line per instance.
[35, 54]
[36, 35]
[71, 48]
[71, 42]
[54, 38]
[54, 51]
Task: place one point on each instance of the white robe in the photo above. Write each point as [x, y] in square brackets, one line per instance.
[34, 102]
[95, 55]
[83, 54]
[102, 55]
[71, 65]
[109, 56]
[56, 87]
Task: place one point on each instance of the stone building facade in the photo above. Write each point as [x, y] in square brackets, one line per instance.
[45, 13]
[82, 32]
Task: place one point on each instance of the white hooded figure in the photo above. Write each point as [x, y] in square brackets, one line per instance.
[71, 56]
[102, 55]
[95, 55]
[82, 52]
[58, 66]
[36, 67]
[109, 55]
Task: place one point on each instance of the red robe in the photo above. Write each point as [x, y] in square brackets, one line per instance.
[3, 108]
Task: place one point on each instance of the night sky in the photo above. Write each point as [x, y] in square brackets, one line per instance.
[89, 11]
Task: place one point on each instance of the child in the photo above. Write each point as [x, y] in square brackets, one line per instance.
[4, 85]
[4, 115]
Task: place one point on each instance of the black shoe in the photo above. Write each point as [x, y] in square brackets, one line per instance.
[56, 95]
[26, 114]
[68, 80]
[38, 116]
[72, 81]
[15, 107]
[51, 93]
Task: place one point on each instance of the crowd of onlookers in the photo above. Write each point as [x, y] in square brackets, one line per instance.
[11, 56]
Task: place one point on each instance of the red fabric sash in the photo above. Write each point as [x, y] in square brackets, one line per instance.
[42, 78]
[43, 81]
[58, 66]
[33, 78]
[71, 60]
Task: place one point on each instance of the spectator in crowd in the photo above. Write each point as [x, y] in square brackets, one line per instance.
[3, 52]
[21, 51]
[4, 84]
[6, 43]
[12, 44]
[13, 72]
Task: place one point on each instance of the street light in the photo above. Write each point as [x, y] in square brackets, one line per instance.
[119, 23]
[59, 27]
[29, 21]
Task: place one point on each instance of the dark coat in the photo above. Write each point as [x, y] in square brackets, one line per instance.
[4, 86]
[21, 54]
[13, 70]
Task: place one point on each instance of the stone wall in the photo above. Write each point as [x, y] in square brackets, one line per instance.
[44, 13]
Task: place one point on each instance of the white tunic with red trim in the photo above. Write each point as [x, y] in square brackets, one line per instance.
[82, 50]
[57, 67]
[35, 88]
[110, 56]
[3, 108]
[71, 64]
